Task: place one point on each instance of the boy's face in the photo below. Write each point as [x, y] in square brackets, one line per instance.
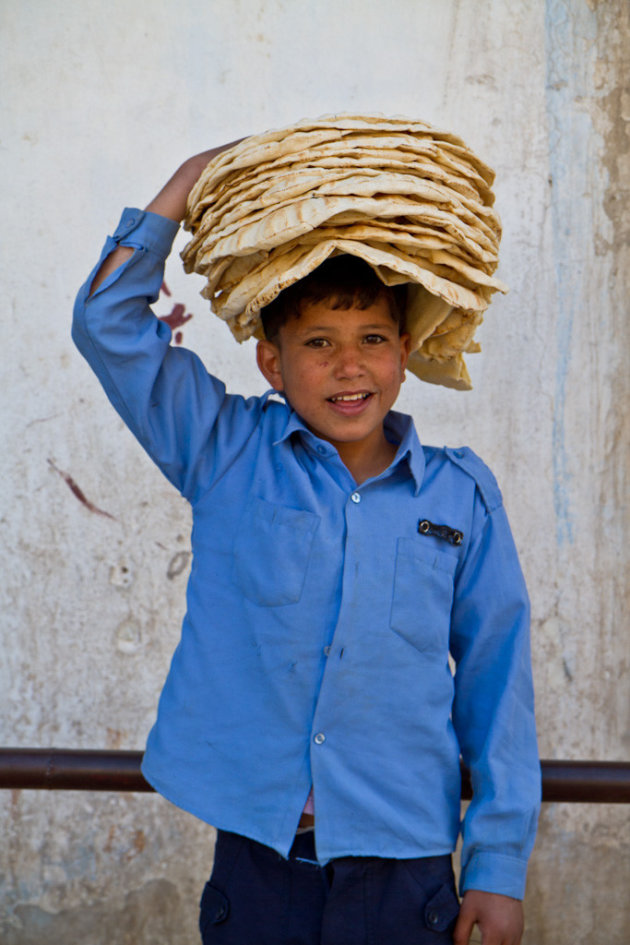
[340, 370]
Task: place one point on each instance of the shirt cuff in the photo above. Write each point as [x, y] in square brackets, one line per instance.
[145, 230]
[496, 873]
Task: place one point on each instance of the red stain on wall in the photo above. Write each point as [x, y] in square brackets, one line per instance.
[78, 492]
[177, 317]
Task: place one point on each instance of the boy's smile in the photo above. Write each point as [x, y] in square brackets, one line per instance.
[341, 371]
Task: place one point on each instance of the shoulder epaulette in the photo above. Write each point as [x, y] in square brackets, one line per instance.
[467, 460]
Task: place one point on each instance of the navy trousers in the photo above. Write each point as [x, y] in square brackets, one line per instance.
[256, 897]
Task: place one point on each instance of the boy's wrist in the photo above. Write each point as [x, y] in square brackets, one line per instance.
[171, 201]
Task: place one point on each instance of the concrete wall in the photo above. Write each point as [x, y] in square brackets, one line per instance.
[101, 102]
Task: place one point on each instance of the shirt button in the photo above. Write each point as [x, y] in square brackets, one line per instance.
[321, 450]
[320, 738]
[433, 917]
[326, 650]
[355, 497]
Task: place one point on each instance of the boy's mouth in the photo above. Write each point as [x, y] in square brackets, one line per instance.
[349, 398]
[350, 403]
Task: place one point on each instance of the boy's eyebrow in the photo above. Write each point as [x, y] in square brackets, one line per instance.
[379, 326]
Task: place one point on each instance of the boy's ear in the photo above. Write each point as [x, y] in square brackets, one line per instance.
[405, 345]
[405, 350]
[268, 360]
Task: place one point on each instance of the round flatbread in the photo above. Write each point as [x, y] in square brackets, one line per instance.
[413, 201]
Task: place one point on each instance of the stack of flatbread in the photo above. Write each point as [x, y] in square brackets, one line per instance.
[413, 202]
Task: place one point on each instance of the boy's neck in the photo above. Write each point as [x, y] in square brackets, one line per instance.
[364, 462]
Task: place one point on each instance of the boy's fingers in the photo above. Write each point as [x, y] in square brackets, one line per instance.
[500, 919]
[463, 926]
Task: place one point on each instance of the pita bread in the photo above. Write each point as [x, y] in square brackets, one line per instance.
[375, 150]
[256, 290]
[426, 251]
[452, 373]
[364, 184]
[266, 229]
[380, 161]
[414, 202]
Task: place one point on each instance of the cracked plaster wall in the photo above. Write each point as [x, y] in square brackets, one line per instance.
[103, 103]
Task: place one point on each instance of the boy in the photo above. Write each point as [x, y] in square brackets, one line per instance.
[335, 563]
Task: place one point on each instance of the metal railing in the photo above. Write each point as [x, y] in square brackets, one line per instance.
[60, 769]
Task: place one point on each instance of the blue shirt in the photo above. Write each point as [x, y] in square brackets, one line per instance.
[315, 647]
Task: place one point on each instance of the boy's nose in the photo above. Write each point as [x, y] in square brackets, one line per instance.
[349, 362]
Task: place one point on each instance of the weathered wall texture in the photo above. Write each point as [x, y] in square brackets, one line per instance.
[101, 102]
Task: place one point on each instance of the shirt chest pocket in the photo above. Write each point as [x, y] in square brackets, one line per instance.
[272, 551]
[423, 595]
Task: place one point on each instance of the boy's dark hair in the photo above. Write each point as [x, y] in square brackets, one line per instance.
[344, 281]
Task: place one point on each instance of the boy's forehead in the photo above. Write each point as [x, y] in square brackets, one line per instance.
[327, 314]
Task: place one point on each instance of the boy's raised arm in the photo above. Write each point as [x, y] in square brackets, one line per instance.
[163, 392]
[170, 202]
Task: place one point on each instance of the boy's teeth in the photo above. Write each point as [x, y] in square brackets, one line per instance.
[349, 397]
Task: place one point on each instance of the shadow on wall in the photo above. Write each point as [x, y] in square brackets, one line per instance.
[152, 913]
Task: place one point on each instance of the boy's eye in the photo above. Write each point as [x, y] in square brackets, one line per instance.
[317, 343]
[374, 339]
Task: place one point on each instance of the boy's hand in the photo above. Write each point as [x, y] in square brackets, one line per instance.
[500, 918]
[170, 202]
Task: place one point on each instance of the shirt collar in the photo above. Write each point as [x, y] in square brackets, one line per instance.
[399, 428]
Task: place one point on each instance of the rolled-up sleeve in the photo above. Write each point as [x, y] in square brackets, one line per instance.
[163, 392]
[493, 710]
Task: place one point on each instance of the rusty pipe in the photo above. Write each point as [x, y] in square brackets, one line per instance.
[590, 782]
[68, 769]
